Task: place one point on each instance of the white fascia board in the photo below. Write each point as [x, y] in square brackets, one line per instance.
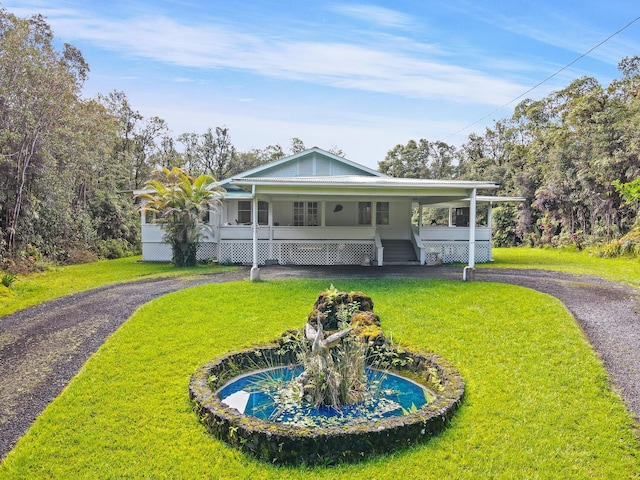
[495, 199]
[294, 157]
[365, 182]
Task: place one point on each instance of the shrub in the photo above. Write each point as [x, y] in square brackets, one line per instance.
[505, 223]
[8, 279]
[23, 265]
[77, 256]
[627, 245]
[112, 248]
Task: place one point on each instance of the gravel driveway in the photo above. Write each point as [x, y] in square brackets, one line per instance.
[43, 347]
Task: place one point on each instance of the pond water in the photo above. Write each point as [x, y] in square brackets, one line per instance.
[260, 394]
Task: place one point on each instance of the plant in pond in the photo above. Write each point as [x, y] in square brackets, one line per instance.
[334, 365]
[335, 377]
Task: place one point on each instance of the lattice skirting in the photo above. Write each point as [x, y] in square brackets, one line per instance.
[161, 252]
[156, 252]
[326, 253]
[298, 253]
[457, 252]
[311, 253]
[207, 251]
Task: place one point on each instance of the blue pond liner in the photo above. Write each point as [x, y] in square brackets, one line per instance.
[255, 394]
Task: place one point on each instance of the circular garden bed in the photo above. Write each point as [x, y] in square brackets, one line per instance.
[289, 444]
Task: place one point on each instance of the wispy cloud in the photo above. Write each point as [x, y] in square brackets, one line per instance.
[572, 33]
[380, 16]
[394, 68]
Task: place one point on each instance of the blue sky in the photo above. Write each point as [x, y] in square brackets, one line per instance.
[363, 76]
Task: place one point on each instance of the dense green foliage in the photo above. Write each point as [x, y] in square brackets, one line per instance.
[574, 156]
[538, 403]
[59, 181]
[68, 165]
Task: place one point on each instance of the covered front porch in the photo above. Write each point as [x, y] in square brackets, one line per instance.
[361, 228]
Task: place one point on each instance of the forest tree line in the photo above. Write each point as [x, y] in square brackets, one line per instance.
[569, 154]
[68, 165]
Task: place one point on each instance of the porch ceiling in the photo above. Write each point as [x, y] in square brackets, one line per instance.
[464, 201]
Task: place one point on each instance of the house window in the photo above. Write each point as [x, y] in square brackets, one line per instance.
[263, 213]
[462, 217]
[364, 213]
[305, 214]
[382, 213]
[244, 212]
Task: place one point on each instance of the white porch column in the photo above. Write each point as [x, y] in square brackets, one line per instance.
[270, 222]
[374, 215]
[218, 238]
[490, 226]
[450, 216]
[255, 271]
[468, 270]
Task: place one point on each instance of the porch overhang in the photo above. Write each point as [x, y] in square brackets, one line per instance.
[419, 190]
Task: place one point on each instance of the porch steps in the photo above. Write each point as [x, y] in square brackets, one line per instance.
[399, 252]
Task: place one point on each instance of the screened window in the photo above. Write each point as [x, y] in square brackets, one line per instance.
[382, 213]
[462, 217]
[244, 212]
[364, 213]
[263, 213]
[305, 214]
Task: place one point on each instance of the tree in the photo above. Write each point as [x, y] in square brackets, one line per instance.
[410, 160]
[38, 90]
[211, 153]
[180, 203]
[218, 153]
[421, 159]
[297, 146]
[630, 191]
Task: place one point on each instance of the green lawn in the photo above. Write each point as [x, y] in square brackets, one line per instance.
[625, 270]
[538, 403]
[60, 281]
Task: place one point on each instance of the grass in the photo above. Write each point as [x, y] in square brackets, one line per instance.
[538, 402]
[622, 269]
[60, 281]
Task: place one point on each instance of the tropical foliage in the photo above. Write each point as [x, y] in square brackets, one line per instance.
[574, 156]
[180, 204]
[59, 183]
[68, 164]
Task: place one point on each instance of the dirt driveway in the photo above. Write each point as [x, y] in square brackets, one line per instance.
[43, 347]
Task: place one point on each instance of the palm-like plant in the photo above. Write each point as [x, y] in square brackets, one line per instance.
[180, 203]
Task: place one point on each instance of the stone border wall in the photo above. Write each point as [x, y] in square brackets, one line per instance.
[288, 444]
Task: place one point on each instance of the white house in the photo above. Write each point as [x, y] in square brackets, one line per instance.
[316, 208]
